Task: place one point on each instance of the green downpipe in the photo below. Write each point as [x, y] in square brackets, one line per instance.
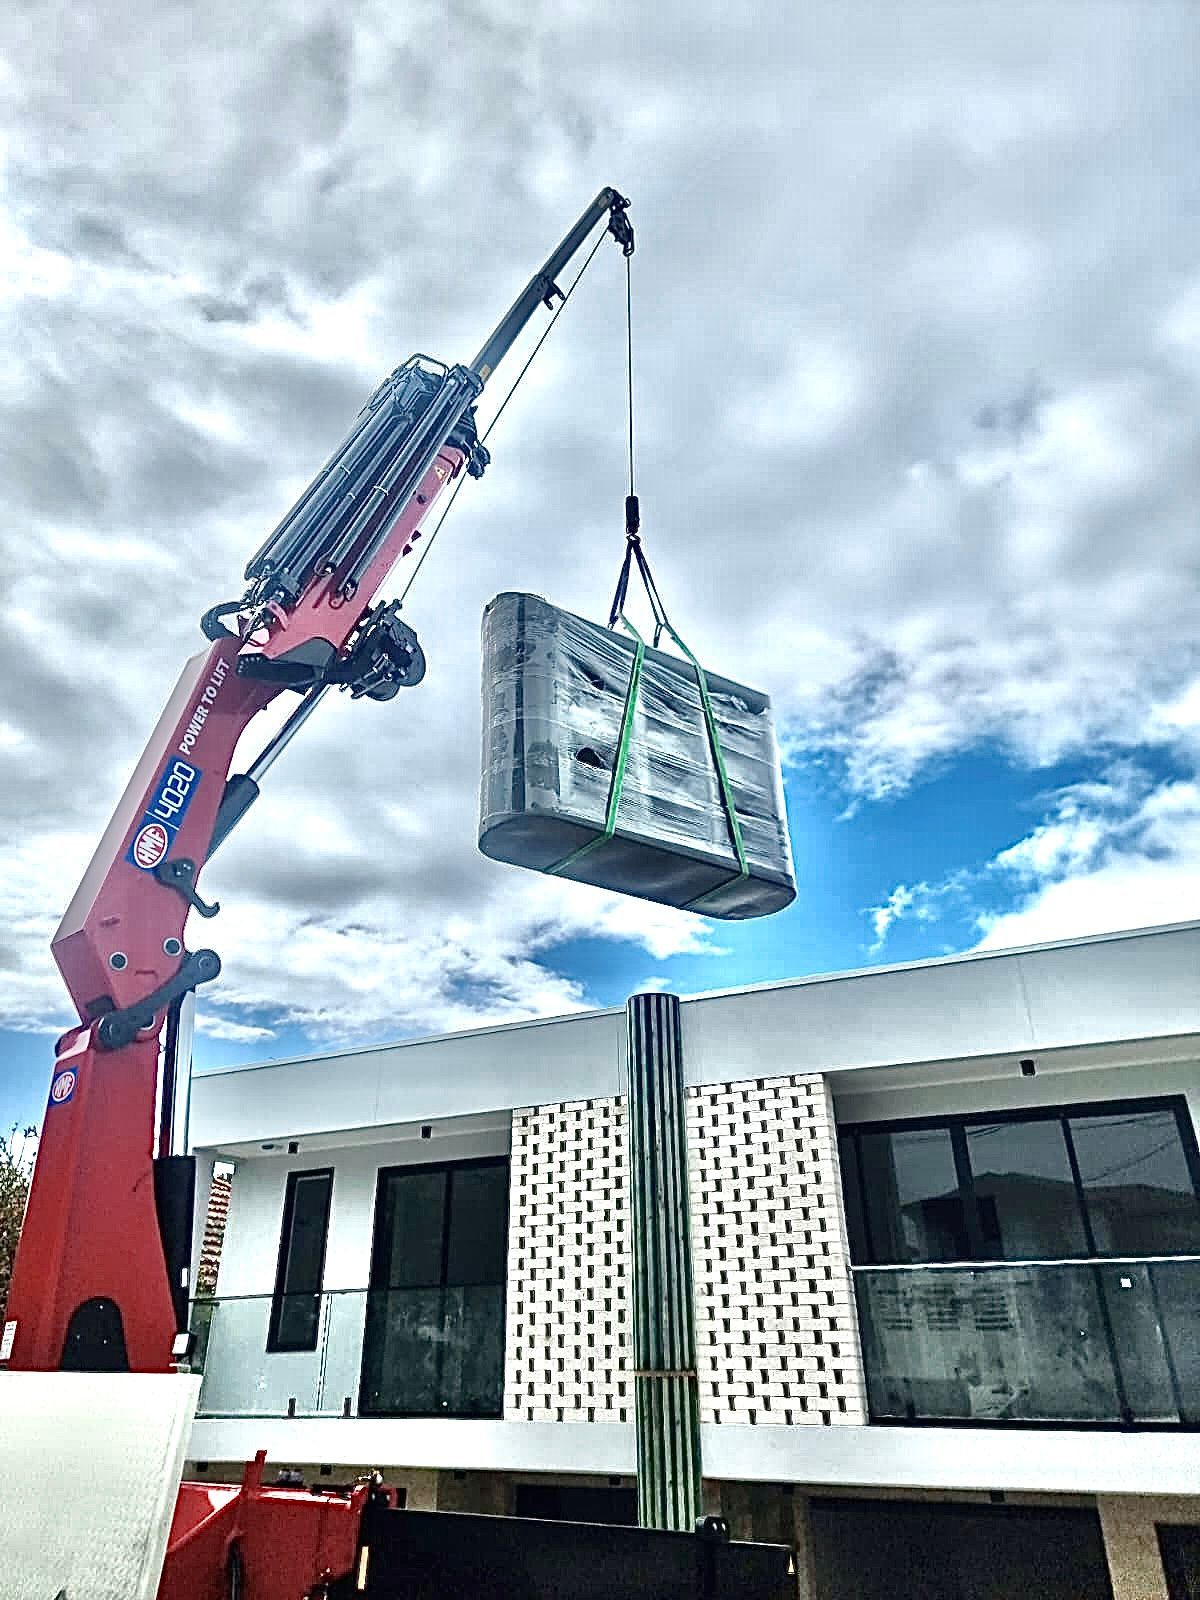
[666, 1391]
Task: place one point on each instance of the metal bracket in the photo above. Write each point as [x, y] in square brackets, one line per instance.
[179, 873]
[385, 657]
[119, 1028]
[619, 224]
[211, 625]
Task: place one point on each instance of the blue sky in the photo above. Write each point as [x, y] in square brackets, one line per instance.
[917, 365]
[945, 830]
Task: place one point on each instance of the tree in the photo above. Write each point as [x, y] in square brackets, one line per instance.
[16, 1165]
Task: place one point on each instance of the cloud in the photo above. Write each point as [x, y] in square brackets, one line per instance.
[917, 368]
[219, 1027]
[903, 901]
[917, 902]
[1115, 869]
[1120, 851]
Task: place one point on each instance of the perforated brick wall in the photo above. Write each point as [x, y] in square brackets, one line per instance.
[567, 1351]
[775, 1323]
[776, 1328]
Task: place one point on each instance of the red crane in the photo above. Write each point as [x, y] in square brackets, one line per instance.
[100, 1281]
[101, 1277]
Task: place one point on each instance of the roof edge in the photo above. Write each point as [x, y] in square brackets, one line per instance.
[960, 957]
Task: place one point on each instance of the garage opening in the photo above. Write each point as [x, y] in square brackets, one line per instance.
[578, 1502]
[909, 1550]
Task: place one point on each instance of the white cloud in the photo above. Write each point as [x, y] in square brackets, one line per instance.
[1070, 873]
[218, 1027]
[1105, 871]
[918, 902]
[919, 422]
[1053, 847]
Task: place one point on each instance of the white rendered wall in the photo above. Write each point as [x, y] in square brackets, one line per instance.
[1055, 1083]
[1051, 1461]
[988, 1007]
[251, 1251]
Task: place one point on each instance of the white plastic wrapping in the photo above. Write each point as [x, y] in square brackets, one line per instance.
[554, 695]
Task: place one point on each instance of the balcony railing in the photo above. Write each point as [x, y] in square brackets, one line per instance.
[1066, 1341]
[401, 1352]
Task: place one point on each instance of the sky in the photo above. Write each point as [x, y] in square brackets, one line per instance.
[917, 368]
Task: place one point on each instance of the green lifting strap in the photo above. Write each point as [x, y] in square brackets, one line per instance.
[616, 787]
[714, 739]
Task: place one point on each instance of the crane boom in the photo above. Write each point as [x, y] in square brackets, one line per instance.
[100, 1281]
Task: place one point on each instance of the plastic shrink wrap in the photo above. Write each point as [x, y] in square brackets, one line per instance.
[555, 693]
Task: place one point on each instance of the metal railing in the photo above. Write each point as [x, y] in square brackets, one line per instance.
[396, 1352]
[1077, 1341]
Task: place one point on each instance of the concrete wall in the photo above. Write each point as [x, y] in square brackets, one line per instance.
[1056, 1083]
[1131, 1540]
[1109, 990]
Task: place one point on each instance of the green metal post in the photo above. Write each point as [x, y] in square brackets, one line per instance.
[666, 1392]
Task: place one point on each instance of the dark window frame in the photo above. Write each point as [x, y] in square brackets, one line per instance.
[956, 1124]
[378, 1282]
[276, 1343]
[376, 1279]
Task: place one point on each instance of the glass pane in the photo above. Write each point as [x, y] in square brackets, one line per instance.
[852, 1194]
[1025, 1191]
[473, 1352]
[478, 1247]
[1140, 1196]
[1142, 1357]
[990, 1344]
[342, 1349]
[914, 1207]
[298, 1320]
[409, 1251]
[242, 1378]
[434, 1352]
[305, 1255]
[401, 1352]
[1177, 1292]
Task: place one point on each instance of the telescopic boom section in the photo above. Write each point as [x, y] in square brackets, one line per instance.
[542, 287]
[99, 1280]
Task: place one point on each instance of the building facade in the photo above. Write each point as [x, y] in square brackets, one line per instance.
[946, 1248]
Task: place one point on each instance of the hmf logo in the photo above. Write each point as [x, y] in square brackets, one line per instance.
[150, 844]
[63, 1087]
[172, 796]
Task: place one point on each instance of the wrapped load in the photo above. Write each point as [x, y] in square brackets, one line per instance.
[600, 764]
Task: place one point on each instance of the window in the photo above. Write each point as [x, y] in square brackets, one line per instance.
[1141, 1197]
[1025, 1196]
[296, 1304]
[913, 1206]
[1063, 1184]
[434, 1343]
[1038, 1265]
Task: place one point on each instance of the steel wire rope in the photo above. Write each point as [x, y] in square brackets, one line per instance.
[558, 311]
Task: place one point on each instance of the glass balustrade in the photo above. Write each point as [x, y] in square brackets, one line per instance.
[1086, 1342]
[408, 1352]
[1102, 1341]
